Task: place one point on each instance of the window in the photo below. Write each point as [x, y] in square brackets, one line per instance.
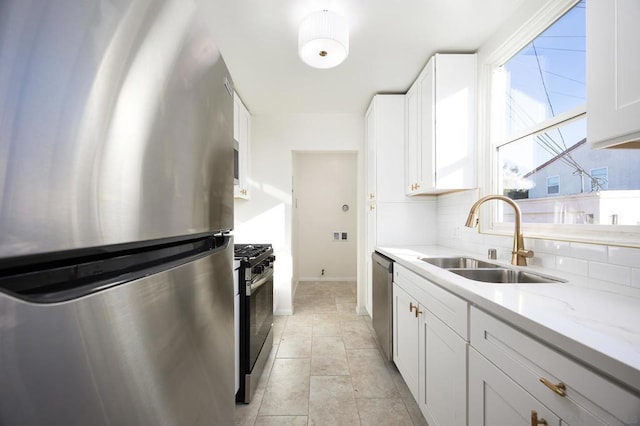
[553, 185]
[599, 178]
[538, 137]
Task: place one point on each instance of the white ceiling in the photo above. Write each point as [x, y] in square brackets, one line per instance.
[390, 41]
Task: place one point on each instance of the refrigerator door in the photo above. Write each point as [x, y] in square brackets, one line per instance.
[154, 351]
[116, 124]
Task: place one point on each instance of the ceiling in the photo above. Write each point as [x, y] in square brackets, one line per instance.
[389, 44]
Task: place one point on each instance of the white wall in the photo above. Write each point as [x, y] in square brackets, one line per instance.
[322, 184]
[267, 216]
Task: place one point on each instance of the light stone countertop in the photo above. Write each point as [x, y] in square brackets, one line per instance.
[596, 327]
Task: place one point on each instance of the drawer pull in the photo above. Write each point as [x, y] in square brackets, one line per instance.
[412, 307]
[534, 419]
[417, 312]
[560, 388]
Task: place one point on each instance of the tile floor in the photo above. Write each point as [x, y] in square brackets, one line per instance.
[326, 369]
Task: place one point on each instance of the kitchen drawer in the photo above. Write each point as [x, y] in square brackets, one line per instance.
[449, 308]
[589, 399]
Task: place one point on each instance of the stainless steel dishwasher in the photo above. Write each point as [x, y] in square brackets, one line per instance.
[382, 277]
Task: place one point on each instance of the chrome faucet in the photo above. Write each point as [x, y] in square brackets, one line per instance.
[518, 254]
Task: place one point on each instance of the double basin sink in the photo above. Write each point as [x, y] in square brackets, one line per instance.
[479, 270]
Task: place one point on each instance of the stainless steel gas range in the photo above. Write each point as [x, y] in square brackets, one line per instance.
[256, 314]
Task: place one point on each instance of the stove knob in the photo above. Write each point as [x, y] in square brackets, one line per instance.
[257, 269]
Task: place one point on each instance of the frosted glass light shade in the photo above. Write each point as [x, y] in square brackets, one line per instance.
[323, 40]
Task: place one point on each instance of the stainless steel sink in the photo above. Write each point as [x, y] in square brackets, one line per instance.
[458, 262]
[504, 276]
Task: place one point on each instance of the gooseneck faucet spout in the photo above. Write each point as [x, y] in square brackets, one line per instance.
[518, 255]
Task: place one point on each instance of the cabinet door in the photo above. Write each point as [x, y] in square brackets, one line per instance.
[412, 155]
[370, 138]
[443, 373]
[613, 65]
[426, 177]
[405, 338]
[496, 400]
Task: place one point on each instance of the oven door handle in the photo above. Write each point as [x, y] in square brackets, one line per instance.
[260, 282]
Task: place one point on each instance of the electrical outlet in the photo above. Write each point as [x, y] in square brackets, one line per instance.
[344, 236]
[336, 236]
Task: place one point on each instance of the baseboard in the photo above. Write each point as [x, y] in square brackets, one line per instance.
[361, 310]
[283, 312]
[347, 279]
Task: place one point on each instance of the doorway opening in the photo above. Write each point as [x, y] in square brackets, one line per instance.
[325, 221]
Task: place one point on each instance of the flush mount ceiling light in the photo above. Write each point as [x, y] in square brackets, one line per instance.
[323, 40]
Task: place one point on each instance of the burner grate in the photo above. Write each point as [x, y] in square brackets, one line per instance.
[250, 250]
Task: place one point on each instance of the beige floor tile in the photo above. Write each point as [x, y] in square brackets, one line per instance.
[370, 376]
[333, 365]
[357, 335]
[295, 346]
[414, 411]
[328, 328]
[328, 357]
[325, 367]
[346, 307]
[327, 346]
[332, 401]
[281, 421]
[388, 412]
[287, 392]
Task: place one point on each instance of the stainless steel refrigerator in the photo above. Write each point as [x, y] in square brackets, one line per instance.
[116, 206]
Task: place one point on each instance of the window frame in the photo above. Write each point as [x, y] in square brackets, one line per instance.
[495, 53]
[557, 185]
[606, 175]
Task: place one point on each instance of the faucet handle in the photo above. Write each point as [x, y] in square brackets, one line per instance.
[524, 253]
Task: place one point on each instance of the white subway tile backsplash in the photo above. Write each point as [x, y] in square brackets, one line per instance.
[594, 252]
[571, 265]
[543, 260]
[562, 248]
[613, 273]
[625, 256]
[635, 277]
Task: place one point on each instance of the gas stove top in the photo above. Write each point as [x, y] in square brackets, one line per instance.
[248, 252]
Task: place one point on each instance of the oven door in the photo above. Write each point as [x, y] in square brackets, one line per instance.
[260, 302]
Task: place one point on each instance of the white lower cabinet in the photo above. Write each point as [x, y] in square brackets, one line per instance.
[443, 373]
[405, 338]
[511, 367]
[465, 366]
[496, 400]
[429, 351]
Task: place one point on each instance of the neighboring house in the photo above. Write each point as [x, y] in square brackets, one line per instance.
[555, 177]
[602, 195]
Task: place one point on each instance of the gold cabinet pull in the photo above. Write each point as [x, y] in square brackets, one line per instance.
[371, 207]
[417, 185]
[560, 388]
[412, 307]
[534, 419]
[417, 312]
[371, 196]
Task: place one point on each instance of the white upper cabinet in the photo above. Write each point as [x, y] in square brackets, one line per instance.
[613, 67]
[384, 143]
[241, 135]
[441, 124]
